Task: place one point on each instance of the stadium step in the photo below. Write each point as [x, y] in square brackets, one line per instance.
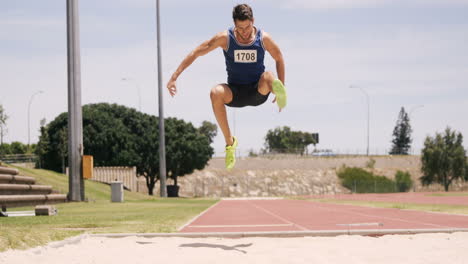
[28, 200]
[17, 191]
[10, 171]
[13, 189]
[16, 179]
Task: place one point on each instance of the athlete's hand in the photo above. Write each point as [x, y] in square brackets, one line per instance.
[171, 86]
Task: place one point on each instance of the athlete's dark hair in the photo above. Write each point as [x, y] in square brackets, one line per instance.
[242, 12]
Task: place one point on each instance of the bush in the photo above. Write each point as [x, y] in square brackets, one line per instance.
[361, 181]
[403, 181]
[252, 153]
[13, 148]
[370, 164]
[5, 149]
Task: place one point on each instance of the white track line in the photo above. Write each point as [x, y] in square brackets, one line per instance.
[198, 216]
[277, 216]
[361, 224]
[261, 225]
[377, 216]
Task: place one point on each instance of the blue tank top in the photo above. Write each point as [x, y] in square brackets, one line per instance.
[244, 62]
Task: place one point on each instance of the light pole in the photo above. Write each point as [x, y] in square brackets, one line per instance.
[138, 90]
[29, 115]
[368, 114]
[76, 185]
[162, 141]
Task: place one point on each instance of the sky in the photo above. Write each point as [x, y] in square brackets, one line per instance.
[401, 53]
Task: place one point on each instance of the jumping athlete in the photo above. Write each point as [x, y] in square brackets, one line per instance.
[248, 84]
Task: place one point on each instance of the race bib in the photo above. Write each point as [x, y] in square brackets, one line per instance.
[245, 56]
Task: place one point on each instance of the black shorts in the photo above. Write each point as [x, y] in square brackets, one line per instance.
[246, 95]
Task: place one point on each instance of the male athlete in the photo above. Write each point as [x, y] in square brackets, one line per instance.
[248, 84]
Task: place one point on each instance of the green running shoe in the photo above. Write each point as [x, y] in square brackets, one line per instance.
[231, 154]
[280, 91]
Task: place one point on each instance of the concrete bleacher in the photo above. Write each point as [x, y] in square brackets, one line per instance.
[18, 191]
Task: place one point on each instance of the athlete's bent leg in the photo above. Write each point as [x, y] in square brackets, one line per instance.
[266, 82]
[221, 95]
[269, 83]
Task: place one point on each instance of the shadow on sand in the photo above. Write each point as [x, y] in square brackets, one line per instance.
[199, 245]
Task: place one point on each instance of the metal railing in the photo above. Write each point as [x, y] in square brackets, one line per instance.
[18, 158]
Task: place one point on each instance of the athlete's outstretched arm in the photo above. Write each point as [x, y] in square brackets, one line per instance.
[219, 40]
[275, 52]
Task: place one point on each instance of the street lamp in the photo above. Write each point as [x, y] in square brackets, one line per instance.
[368, 113]
[29, 114]
[138, 89]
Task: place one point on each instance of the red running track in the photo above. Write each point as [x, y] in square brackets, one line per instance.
[412, 197]
[300, 215]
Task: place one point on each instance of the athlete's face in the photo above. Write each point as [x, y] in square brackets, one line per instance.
[244, 28]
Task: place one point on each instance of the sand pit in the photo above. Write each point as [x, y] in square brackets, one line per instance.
[422, 248]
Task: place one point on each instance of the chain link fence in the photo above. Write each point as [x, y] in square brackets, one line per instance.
[250, 152]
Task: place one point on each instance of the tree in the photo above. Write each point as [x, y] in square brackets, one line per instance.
[5, 149]
[148, 146]
[3, 119]
[17, 147]
[208, 129]
[401, 135]
[284, 140]
[466, 171]
[114, 135]
[119, 136]
[111, 134]
[188, 148]
[443, 159]
[42, 145]
[63, 146]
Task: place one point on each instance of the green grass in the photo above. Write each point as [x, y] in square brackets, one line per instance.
[441, 208]
[139, 213]
[59, 182]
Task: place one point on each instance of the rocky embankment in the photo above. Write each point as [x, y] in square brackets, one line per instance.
[284, 176]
